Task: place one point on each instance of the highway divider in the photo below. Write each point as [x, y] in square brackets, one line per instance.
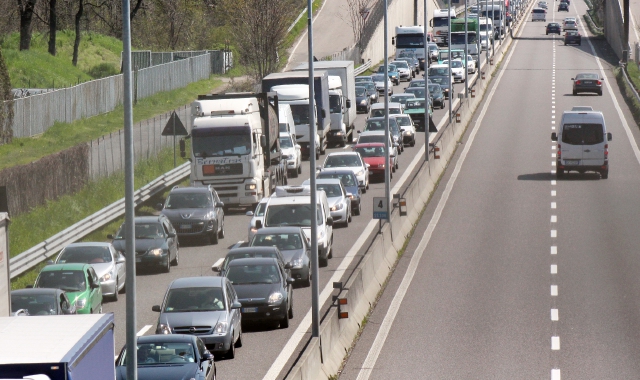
[46, 249]
[323, 357]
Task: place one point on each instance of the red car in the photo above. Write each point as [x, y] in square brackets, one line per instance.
[373, 156]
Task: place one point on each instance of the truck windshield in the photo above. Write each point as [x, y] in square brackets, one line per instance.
[300, 113]
[409, 41]
[290, 215]
[458, 38]
[485, 27]
[441, 21]
[334, 104]
[494, 13]
[224, 141]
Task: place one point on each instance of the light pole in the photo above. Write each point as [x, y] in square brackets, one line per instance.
[466, 50]
[427, 60]
[387, 169]
[449, 62]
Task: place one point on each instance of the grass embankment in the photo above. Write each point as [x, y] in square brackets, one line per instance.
[634, 75]
[594, 23]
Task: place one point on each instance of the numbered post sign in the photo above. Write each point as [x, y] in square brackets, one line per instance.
[380, 208]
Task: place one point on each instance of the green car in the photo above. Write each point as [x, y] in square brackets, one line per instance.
[415, 109]
[79, 281]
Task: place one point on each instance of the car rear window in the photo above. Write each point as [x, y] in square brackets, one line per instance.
[539, 11]
[582, 134]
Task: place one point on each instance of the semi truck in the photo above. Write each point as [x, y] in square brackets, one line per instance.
[410, 39]
[458, 34]
[342, 95]
[321, 93]
[58, 347]
[235, 146]
[440, 25]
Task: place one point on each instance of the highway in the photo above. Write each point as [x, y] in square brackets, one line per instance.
[512, 274]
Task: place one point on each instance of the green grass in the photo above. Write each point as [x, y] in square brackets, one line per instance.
[98, 56]
[65, 135]
[634, 75]
[31, 228]
[295, 32]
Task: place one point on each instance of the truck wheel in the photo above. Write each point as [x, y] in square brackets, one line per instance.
[299, 169]
[317, 154]
[294, 173]
[343, 144]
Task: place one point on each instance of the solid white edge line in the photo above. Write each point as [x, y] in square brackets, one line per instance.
[385, 327]
[313, 20]
[143, 330]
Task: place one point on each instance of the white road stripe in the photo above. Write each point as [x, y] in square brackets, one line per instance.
[555, 374]
[554, 218]
[554, 290]
[554, 269]
[553, 182]
[385, 327]
[555, 343]
[554, 315]
[554, 250]
[553, 193]
[553, 204]
[554, 233]
[143, 330]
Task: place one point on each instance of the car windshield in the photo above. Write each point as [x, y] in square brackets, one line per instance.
[34, 304]
[181, 300]
[188, 200]
[416, 91]
[438, 71]
[144, 231]
[371, 151]
[347, 179]
[363, 79]
[416, 83]
[582, 134]
[342, 161]
[403, 121]
[435, 89]
[378, 124]
[402, 65]
[415, 104]
[456, 64]
[331, 190]
[291, 215]
[285, 142]
[371, 139]
[378, 78]
[162, 353]
[587, 76]
[247, 254]
[67, 280]
[361, 91]
[284, 241]
[253, 274]
[402, 99]
[371, 86]
[85, 255]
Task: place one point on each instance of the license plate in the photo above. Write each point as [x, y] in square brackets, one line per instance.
[249, 309]
[588, 82]
[571, 162]
[185, 226]
[138, 259]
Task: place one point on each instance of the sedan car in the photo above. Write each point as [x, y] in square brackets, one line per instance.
[263, 288]
[411, 60]
[108, 263]
[554, 28]
[392, 71]
[291, 151]
[164, 357]
[563, 6]
[405, 71]
[339, 201]
[350, 183]
[587, 82]
[294, 246]
[543, 5]
[351, 161]
[373, 154]
[41, 301]
[363, 100]
[80, 283]
[379, 137]
[256, 215]
[380, 80]
[433, 51]
[205, 306]
[572, 37]
[363, 79]
[437, 95]
[195, 212]
[405, 123]
[372, 90]
[156, 242]
[457, 70]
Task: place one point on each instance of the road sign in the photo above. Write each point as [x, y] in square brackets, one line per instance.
[380, 208]
[174, 124]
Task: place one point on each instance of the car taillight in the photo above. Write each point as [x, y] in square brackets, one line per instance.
[559, 152]
[599, 83]
[577, 82]
[606, 150]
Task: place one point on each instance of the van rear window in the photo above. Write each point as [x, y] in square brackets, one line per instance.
[582, 134]
[538, 11]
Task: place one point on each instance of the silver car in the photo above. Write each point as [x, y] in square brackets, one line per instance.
[108, 263]
[294, 246]
[258, 214]
[337, 197]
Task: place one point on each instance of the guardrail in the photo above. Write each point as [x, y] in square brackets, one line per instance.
[362, 68]
[44, 250]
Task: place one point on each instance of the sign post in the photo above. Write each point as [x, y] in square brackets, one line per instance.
[174, 128]
[5, 278]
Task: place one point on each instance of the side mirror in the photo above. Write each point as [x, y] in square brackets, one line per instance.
[288, 266]
[572, 79]
[348, 103]
[290, 281]
[367, 166]
[207, 356]
[183, 152]
[554, 136]
[393, 40]
[155, 308]
[110, 236]
[94, 285]
[171, 234]
[263, 141]
[318, 168]
[297, 146]
[249, 213]
[236, 305]
[159, 206]
[329, 221]
[215, 268]
[258, 224]
[219, 204]
[609, 136]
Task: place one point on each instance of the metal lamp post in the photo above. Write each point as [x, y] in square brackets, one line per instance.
[427, 60]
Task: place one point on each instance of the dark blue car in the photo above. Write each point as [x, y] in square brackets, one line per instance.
[350, 183]
[172, 356]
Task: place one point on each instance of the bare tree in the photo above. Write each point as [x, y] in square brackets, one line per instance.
[52, 27]
[258, 28]
[26, 8]
[6, 103]
[356, 17]
[76, 42]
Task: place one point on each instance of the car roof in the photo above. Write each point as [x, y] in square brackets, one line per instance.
[335, 171]
[370, 133]
[330, 181]
[168, 338]
[344, 153]
[253, 261]
[367, 145]
[190, 189]
[283, 230]
[253, 250]
[66, 266]
[391, 105]
[89, 244]
[149, 219]
[36, 291]
[197, 282]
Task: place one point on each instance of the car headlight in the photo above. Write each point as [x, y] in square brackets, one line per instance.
[163, 329]
[106, 277]
[275, 298]
[80, 303]
[296, 263]
[360, 172]
[381, 166]
[251, 186]
[363, 102]
[337, 207]
[155, 252]
[221, 327]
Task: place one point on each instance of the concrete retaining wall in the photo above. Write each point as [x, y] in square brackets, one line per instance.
[613, 27]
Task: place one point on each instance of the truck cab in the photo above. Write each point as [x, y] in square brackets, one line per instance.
[337, 107]
[440, 25]
[297, 97]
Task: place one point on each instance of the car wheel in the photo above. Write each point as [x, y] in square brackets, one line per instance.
[114, 298]
[323, 262]
[221, 232]
[317, 155]
[575, 92]
[239, 341]
[349, 218]
[413, 142]
[357, 210]
[547, 33]
[396, 164]
[294, 173]
[167, 268]
[343, 144]
[604, 174]
[600, 93]
[232, 351]
[284, 322]
[177, 259]
[300, 168]
[213, 238]
[307, 282]
[560, 173]
[367, 185]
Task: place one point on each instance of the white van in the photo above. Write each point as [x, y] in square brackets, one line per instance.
[583, 143]
[291, 206]
[485, 25]
[285, 119]
[538, 14]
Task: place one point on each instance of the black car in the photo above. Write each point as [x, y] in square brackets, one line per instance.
[554, 28]
[572, 37]
[587, 82]
[294, 246]
[437, 95]
[167, 357]
[363, 100]
[564, 6]
[156, 242]
[247, 252]
[40, 301]
[263, 289]
[445, 84]
[195, 212]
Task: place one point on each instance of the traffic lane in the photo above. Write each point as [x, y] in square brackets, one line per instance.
[478, 287]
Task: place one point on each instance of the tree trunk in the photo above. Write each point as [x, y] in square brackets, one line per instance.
[76, 43]
[135, 10]
[26, 15]
[52, 27]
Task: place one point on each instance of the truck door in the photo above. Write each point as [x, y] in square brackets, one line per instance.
[593, 142]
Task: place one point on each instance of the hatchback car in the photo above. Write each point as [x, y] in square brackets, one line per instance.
[405, 71]
[380, 80]
[263, 288]
[294, 245]
[437, 95]
[569, 24]
[156, 242]
[457, 69]
[572, 37]
[205, 306]
[401, 98]
[379, 137]
[371, 90]
[195, 212]
[163, 357]
[377, 124]
[351, 161]
[416, 109]
[563, 6]
[539, 14]
[378, 110]
[363, 100]
[80, 283]
[373, 154]
[405, 123]
[554, 28]
[41, 301]
[245, 252]
[350, 183]
[587, 82]
[108, 263]
[339, 201]
[417, 83]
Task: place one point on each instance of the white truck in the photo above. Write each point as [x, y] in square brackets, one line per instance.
[410, 39]
[341, 132]
[440, 25]
[235, 147]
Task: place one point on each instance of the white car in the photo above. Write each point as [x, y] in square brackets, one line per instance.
[379, 80]
[291, 151]
[351, 161]
[339, 201]
[258, 214]
[403, 69]
[471, 64]
[457, 70]
[405, 123]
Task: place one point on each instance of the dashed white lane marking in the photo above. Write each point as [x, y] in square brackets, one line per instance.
[553, 172]
[554, 219]
[553, 193]
[553, 117]
[553, 111]
[554, 233]
[553, 205]
[553, 163]
[554, 314]
[555, 343]
[143, 330]
[553, 122]
[554, 290]
[553, 181]
[553, 147]
[553, 155]
[554, 250]
[554, 269]
[555, 374]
